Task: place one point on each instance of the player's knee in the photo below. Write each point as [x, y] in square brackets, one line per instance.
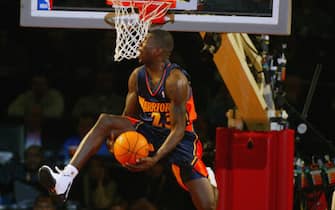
[210, 205]
[206, 204]
[104, 121]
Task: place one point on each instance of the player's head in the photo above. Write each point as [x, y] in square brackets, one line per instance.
[158, 43]
[163, 40]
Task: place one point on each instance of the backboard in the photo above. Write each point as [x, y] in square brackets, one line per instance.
[246, 16]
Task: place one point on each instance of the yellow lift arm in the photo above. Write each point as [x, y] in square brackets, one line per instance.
[231, 63]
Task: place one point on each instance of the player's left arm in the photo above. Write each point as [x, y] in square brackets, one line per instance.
[177, 89]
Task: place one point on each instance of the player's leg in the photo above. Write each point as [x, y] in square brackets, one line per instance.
[192, 174]
[202, 193]
[93, 140]
[200, 182]
[59, 183]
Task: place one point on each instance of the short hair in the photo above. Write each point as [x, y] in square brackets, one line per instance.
[163, 39]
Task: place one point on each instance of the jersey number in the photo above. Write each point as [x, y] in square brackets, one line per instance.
[156, 120]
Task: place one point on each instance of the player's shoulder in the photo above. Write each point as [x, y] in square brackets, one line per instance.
[137, 69]
[176, 79]
[177, 73]
[135, 72]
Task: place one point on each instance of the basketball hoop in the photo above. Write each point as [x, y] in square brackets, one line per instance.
[132, 20]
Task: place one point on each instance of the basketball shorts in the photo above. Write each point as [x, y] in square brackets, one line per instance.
[185, 160]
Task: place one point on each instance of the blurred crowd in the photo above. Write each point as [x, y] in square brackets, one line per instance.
[55, 82]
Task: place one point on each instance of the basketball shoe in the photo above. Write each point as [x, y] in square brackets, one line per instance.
[57, 183]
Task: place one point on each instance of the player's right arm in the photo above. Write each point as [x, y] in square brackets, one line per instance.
[131, 105]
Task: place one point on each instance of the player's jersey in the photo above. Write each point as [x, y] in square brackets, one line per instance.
[155, 106]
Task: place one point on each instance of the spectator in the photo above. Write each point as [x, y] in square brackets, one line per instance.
[44, 202]
[142, 204]
[102, 99]
[122, 205]
[84, 123]
[19, 181]
[39, 98]
[156, 183]
[100, 188]
[33, 127]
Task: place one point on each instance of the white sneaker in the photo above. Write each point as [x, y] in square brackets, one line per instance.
[59, 183]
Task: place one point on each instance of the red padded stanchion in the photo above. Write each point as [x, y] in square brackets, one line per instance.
[254, 170]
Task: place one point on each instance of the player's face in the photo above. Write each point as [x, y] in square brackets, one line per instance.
[146, 50]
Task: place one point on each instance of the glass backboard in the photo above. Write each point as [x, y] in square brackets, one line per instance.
[247, 16]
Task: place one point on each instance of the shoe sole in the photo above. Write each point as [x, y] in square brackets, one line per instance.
[49, 183]
[46, 179]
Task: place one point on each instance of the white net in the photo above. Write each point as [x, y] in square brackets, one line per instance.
[132, 25]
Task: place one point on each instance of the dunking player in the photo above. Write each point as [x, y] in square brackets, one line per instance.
[159, 104]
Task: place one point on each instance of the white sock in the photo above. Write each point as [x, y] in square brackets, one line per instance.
[70, 170]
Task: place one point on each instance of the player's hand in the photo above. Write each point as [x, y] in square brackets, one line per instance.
[142, 164]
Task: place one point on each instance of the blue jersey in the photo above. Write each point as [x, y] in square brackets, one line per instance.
[154, 123]
[154, 105]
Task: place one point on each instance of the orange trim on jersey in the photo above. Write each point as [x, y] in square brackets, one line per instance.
[198, 164]
[200, 167]
[189, 127]
[132, 120]
[191, 113]
[199, 149]
[176, 171]
[190, 108]
[194, 152]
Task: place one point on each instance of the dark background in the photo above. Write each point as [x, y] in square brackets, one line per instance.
[71, 56]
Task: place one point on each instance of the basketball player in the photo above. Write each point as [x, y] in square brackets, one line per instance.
[159, 104]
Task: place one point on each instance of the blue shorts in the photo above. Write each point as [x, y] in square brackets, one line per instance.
[185, 160]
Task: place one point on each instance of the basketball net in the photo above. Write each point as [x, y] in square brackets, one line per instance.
[132, 21]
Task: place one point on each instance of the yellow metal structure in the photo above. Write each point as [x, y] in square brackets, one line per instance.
[231, 63]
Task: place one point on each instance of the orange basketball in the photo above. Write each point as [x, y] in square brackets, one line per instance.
[130, 146]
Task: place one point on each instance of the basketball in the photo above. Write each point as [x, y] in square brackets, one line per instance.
[130, 146]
